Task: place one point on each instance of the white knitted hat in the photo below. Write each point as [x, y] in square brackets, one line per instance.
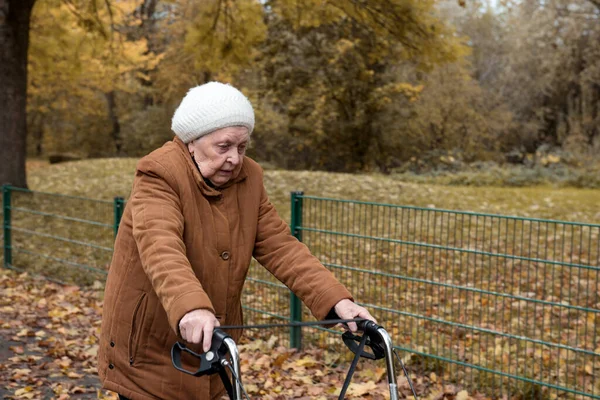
[209, 107]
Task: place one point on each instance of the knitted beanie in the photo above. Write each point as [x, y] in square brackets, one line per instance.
[209, 107]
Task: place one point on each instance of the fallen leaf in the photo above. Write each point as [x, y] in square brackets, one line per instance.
[462, 395]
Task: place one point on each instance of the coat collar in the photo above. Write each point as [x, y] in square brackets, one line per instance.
[202, 185]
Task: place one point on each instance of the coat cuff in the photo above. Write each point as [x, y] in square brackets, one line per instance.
[332, 314]
[323, 305]
[185, 303]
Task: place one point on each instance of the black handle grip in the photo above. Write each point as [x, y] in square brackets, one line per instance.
[374, 340]
[210, 362]
[362, 325]
[176, 351]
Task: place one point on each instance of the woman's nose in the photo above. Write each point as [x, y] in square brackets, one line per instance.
[234, 157]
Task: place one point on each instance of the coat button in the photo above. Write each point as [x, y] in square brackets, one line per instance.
[112, 344]
[110, 366]
[225, 255]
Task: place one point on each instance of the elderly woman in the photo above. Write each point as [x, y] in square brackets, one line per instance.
[197, 214]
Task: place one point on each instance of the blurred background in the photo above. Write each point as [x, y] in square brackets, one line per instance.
[390, 86]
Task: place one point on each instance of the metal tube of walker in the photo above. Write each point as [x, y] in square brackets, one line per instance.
[235, 361]
[389, 361]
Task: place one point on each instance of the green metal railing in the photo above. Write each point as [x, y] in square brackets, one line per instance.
[508, 305]
[6, 225]
[295, 303]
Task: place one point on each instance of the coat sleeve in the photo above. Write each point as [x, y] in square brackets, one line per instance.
[158, 231]
[292, 263]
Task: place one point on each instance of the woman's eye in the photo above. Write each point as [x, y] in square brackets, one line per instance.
[242, 149]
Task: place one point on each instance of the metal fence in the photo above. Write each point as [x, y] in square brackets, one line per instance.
[508, 304]
[504, 304]
[65, 238]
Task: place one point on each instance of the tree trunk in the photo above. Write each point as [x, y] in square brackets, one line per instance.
[148, 29]
[115, 133]
[14, 40]
[36, 133]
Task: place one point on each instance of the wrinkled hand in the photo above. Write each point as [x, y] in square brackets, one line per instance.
[197, 326]
[347, 309]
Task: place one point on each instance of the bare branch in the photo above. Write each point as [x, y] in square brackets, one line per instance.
[148, 9]
[91, 23]
[110, 14]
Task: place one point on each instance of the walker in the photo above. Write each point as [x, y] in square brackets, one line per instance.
[224, 355]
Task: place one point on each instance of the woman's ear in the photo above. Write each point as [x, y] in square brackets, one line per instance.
[190, 147]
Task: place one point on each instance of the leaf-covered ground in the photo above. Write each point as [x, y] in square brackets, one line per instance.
[49, 343]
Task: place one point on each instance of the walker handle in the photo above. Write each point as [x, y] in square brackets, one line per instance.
[210, 361]
[374, 340]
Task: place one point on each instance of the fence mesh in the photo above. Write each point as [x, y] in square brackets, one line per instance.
[507, 304]
[69, 239]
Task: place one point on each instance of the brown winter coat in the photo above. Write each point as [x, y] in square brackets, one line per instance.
[183, 245]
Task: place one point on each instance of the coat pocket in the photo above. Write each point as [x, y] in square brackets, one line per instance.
[137, 322]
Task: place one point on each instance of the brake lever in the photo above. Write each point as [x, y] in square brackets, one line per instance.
[210, 361]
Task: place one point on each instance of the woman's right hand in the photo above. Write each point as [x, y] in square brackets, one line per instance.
[197, 326]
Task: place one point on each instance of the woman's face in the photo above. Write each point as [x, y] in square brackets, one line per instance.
[219, 155]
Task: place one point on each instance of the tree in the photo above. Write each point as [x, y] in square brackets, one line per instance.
[333, 68]
[552, 73]
[14, 41]
[88, 68]
[79, 48]
[454, 115]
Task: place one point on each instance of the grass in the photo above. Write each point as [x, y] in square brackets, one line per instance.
[104, 179]
[584, 175]
[107, 178]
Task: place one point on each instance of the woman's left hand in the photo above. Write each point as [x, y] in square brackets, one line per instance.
[347, 309]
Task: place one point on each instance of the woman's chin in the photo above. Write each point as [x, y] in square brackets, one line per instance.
[219, 181]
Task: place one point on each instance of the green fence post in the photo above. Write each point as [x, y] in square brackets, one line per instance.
[295, 303]
[7, 241]
[118, 205]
